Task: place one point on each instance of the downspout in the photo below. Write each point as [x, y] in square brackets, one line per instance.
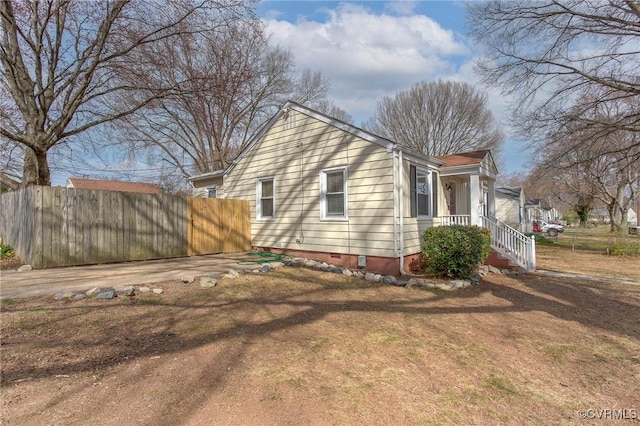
[401, 196]
[395, 200]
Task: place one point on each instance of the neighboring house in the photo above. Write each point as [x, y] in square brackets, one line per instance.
[510, 206]
[325, 189]
[632, 217]
[7, 183]
[207, 185]
[114, 185]
[598, 216]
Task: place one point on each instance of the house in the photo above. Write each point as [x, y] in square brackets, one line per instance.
[510, 206]
[207, 185]
[321, 188]
[113, 185]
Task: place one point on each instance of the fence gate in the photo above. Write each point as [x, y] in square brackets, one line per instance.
[218, 226]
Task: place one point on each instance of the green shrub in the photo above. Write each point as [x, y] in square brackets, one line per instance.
[455, 251]
[6, 251]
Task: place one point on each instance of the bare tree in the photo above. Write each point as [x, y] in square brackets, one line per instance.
[60, 62]
[438, 118]
[562, 61]
[228, 86]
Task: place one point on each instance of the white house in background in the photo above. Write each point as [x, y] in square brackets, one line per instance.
[325, 189]
[510, 206]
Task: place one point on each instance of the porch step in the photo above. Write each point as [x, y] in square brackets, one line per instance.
[501, 261]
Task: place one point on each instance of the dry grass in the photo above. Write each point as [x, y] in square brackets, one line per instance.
[301, 347]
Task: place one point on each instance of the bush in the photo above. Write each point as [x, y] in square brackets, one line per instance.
[455, 251]
[6, 251]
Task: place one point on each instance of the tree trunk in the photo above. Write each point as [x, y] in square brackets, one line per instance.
[36, 169]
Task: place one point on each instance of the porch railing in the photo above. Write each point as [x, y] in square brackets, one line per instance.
[455, 219]
[511, 243]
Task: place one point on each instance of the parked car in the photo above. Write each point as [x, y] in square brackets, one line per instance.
[552, 229]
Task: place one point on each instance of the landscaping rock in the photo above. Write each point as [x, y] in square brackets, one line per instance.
[188, 279]
[265, 268]
[25, 268]
[377, 278]
[389, 279]
[429, 286]
[232, 274]
[370, 276]
[358, 274]
[106, 293]
[457, 283]
[324, 266]
[335, 269]
[483, 270]
[64, 295]
[310, 263]
[411, 283]
[443, 286]
[208, 282]
[80, 296]
[144, 289]
[274, 265]
[401, 283]
[125, 291]
[494, 270]
[476, 278]
[346, 272]
[157, 291]
[93, 291]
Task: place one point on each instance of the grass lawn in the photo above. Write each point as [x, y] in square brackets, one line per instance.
[296, 346]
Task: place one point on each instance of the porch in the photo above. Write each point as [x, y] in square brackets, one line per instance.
[505, 240]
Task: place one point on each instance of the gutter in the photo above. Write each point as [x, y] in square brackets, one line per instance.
[395, 200]
[401, 196]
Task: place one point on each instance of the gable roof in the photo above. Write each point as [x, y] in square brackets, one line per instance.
[114, 185]
[510, 192]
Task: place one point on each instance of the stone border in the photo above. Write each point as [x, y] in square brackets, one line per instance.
[211, 279]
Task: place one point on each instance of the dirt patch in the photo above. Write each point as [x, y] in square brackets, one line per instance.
[10, 263]
[297, 346]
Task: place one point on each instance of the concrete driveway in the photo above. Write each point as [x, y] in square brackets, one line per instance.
[44, 282]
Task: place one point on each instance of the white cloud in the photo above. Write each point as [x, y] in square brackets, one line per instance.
[401, 7]
[367, 56]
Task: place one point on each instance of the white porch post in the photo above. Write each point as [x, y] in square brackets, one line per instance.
[474, 200]
[491, 198]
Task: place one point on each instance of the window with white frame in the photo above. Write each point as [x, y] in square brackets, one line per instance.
[265, 198]
[333, 194]
[420, 181]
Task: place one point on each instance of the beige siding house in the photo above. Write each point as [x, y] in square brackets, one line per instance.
[510, 206]
[328, 190]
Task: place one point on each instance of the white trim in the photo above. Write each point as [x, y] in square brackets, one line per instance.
[259, 182]
[323, 195]
[428, 173]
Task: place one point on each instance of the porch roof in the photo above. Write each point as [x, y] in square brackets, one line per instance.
[474, 162]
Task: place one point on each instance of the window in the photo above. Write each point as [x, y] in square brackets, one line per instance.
[420, 192]
[265, 202]
[333, 194]
[212, 192]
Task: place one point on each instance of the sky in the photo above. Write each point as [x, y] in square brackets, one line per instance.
[372, 49]
[367, 50]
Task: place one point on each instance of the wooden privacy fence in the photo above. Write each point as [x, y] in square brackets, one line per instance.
[50, 227]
